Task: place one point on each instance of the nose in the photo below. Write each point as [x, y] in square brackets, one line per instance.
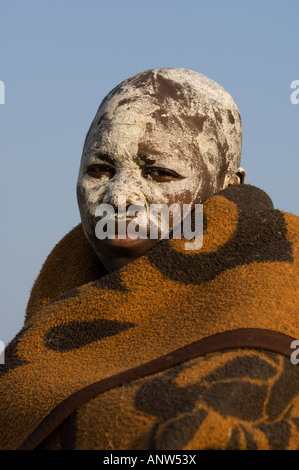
[124, 192]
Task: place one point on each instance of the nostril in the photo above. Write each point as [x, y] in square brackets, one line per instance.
[122, 202]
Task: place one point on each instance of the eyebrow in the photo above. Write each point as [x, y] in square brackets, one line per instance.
[103, 156]
[147, 159]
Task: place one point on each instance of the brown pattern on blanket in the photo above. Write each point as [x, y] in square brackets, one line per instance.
[84, 325]
[238, 399]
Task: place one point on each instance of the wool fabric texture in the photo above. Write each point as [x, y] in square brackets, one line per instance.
[84, 325]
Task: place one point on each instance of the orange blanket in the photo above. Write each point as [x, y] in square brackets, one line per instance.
[84, 326]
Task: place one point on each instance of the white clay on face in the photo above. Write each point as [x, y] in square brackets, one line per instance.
[178, 118]
[130, 183]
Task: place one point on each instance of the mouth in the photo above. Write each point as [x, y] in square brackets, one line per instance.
[124, 236]
[123, 241]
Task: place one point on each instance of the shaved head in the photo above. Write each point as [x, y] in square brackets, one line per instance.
[184, 109]
[165, 135]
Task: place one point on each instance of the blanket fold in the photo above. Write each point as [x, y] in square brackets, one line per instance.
[84, 325]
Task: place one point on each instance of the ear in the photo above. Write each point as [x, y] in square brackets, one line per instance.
[238, 178]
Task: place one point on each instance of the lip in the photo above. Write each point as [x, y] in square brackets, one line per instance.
[126, 242]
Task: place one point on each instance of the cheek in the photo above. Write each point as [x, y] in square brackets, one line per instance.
[88, 196]
[182, 192]
[89, 192]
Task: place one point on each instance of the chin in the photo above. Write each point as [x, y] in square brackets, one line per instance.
[114, 254]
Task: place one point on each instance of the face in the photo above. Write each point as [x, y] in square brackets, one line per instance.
[145, 145]
[144, 168]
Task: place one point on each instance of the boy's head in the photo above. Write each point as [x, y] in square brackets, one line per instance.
[162, 136]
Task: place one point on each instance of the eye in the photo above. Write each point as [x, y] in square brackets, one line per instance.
[161, 175]
[98, 171]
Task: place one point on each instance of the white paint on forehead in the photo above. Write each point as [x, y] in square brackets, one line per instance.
[120, 142]
[121, 139]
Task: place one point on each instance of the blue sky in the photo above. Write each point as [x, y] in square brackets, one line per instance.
[58, 59]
